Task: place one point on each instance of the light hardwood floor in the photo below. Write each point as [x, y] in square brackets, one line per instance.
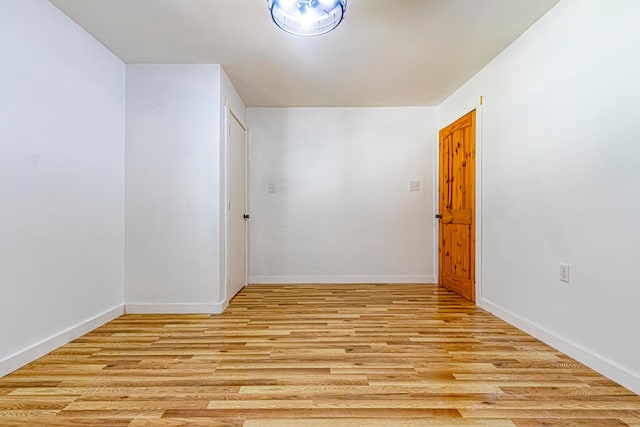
[323, 355]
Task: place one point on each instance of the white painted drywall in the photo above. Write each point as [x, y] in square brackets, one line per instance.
[342, 210]
[230, 103]
[172, 204]
[62, 101]
[561, 181]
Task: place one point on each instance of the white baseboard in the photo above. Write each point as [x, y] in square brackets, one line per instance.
[177, 308]
[579, 353]
[271, 280]
[29, 354]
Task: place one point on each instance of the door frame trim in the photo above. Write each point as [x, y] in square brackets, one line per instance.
[228, 116]
[478, 204]
[478, 218]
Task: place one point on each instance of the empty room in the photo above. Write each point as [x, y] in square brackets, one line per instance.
[319, 213]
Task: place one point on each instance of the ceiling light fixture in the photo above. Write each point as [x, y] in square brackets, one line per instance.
[307, 17]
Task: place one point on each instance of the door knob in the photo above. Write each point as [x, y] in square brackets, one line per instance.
[246, 216]
[438, 216]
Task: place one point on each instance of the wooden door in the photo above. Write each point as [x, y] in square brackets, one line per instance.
[456, 248]
[237, 234]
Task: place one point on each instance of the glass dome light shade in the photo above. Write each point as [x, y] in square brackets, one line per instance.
[307, 17]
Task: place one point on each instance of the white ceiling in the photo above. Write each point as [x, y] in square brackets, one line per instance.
[385, 52]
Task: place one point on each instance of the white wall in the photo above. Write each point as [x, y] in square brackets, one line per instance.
[172, 260]
[342, 211]
[561, 181]
[61, 181]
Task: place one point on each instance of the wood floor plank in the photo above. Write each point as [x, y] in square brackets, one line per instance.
[188, 422]
[554, 422]
[315, 355]
[33, 420]
[369, 422]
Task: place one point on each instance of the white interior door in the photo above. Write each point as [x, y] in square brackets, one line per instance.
[237, 223]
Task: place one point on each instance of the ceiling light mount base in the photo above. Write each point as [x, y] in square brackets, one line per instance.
[307, 18]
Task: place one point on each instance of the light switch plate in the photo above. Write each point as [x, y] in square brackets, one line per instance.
[414, 185]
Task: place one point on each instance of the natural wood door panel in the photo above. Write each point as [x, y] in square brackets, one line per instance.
[456, 247]
[315, 355]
